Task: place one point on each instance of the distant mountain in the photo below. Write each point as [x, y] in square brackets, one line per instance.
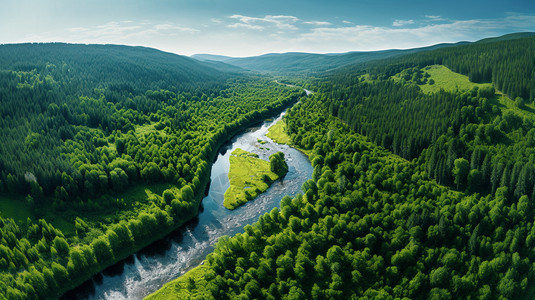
[306, 63]
[511, 36]
[224, 67]
[297, 63]
[138, 66]
[205, 57]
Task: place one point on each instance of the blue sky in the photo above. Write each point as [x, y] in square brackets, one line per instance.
[252, 27]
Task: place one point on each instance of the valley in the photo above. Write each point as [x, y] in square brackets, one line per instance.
[410, 173]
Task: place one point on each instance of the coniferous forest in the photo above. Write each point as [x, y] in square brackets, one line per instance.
[85, 130]
[423, 184]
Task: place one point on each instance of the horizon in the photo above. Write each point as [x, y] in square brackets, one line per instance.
[239, 28]
[269, 53]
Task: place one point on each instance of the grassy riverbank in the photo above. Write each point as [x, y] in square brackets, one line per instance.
[179, 288]
[198, 193]
[278, 134]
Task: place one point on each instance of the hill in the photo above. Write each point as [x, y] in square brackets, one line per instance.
[417, 192]
[141, 67]
[295, 63]
[105, 149]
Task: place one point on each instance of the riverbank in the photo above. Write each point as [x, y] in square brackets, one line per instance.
[174, 289]
[219, 139]
[186, 248]
[178, 288]
[278, 134]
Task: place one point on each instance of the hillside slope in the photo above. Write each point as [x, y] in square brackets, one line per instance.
[108, 63]
[105, 149]
[295, 63]
[449, 217]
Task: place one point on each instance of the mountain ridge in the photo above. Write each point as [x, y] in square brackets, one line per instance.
[303, 63]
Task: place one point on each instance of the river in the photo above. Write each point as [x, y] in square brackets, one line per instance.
[146, 271]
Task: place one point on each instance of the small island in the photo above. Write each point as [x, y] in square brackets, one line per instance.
[250, 176]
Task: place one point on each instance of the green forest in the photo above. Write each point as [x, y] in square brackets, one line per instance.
[416, 194]
[423, 181]
[104, 150]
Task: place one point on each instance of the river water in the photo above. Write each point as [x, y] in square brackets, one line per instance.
[146, 271]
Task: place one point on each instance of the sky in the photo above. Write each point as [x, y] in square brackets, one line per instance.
[252, 27]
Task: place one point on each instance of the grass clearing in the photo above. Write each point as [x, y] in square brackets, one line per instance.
[144, 130]
[122, 205]
[448, 80]
[277, 133]
[111, 208]
[177, 289]
[505, 103]
[367, 78]
[249, 176]
[16, 208]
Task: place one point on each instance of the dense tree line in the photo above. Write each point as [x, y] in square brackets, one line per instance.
[370, 224]
[440, 128]
[396, 116]
[507, 63]
[277, 164]
[454, 222]
[80, 124]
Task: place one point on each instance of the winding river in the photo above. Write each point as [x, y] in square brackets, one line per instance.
[146, 271]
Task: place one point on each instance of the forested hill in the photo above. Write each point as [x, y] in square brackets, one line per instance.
[447, 213]
[295, 63]
[505, 61]
[105, 149]
[418, 101]
[88, 66]
[311, 64]
[49, 90]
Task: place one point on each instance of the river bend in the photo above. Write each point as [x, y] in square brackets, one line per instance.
[146, 271]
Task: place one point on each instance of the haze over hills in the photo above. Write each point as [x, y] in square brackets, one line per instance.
[308, 63]
[298, 63]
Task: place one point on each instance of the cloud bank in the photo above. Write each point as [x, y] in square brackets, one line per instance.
[244, 35]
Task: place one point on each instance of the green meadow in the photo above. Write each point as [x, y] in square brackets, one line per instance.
[249, 176]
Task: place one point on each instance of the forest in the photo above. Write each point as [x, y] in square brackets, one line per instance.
[423, 181]
[95, 164]
[415, 195]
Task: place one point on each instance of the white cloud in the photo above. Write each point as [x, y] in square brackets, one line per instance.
[111, 29]
[245, 25]
[240, 35]
[435, 18]
[317, 23]
[367, 37]
[125, 30]
[521, 22]
[171, 27]
[399, 23]
[281, 22]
